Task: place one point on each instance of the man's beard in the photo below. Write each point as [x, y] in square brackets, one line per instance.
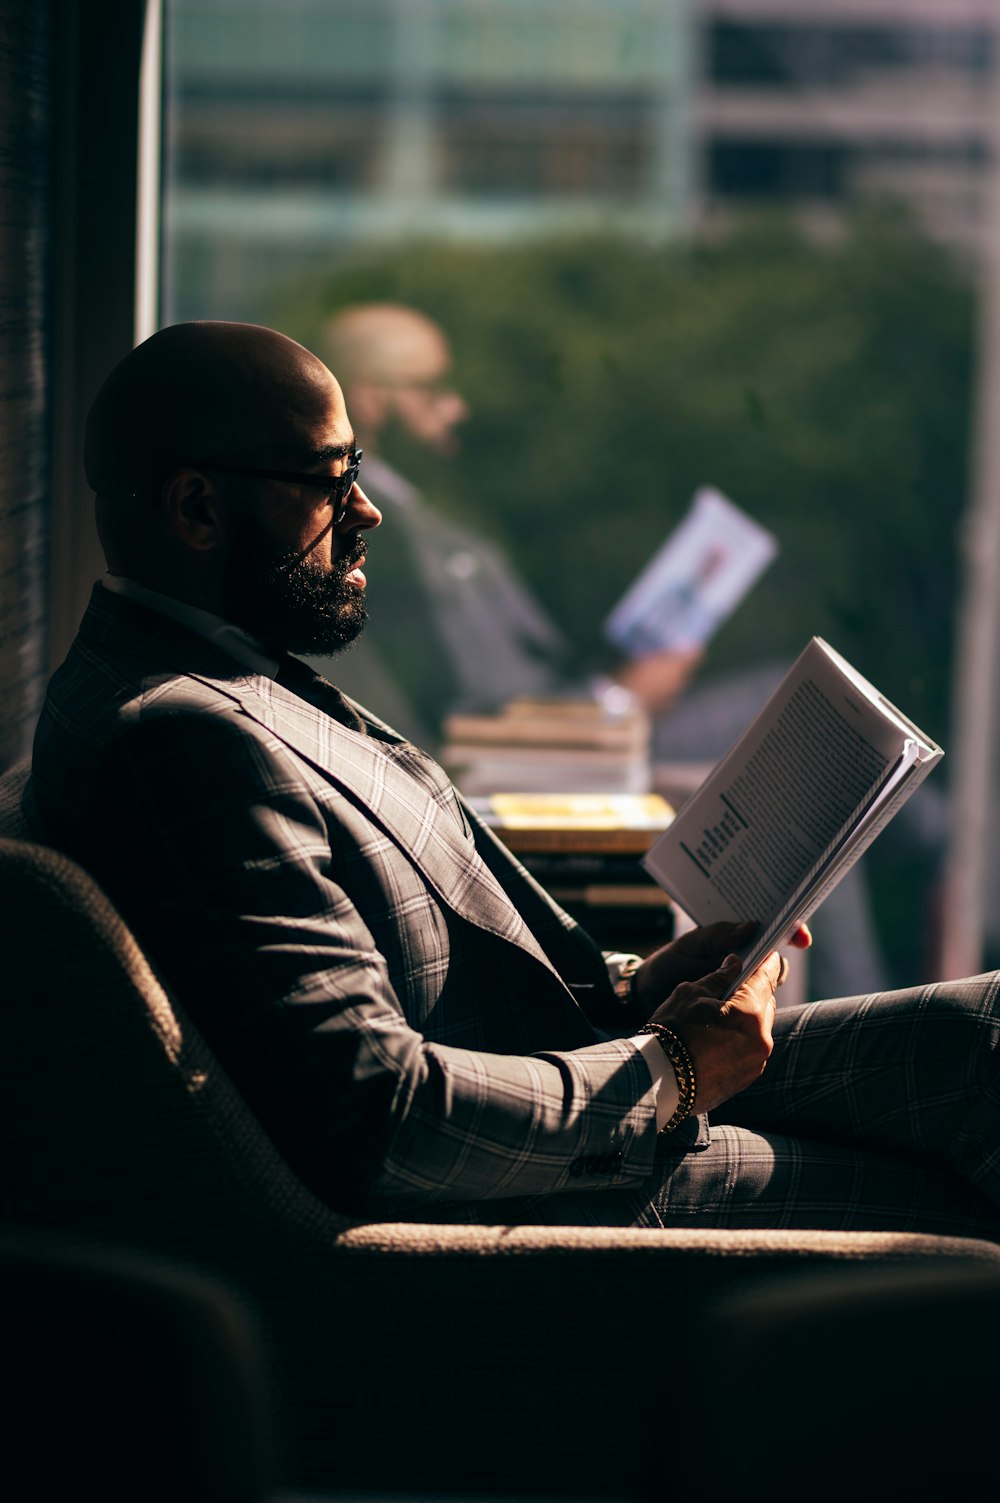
[289, 602]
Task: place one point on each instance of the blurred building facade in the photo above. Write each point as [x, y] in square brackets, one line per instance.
[367, 120]
[298, 127]
[821, 104]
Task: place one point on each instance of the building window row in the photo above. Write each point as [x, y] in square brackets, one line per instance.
[825, 56]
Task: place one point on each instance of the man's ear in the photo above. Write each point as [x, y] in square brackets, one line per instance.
[193, 510]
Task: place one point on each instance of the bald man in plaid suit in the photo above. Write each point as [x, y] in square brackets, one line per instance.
[422, 1030]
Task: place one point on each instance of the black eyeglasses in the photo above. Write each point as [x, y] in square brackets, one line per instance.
[337, 487]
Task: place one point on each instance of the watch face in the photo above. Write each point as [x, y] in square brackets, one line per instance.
[623, 986]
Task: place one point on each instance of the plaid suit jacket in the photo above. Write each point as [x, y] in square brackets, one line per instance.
[412, 1018]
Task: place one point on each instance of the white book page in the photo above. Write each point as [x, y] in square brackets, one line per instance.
[694, 581]
[777, 822]
[840, 856]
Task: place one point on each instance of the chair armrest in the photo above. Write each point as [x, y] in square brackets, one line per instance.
[572, 1344]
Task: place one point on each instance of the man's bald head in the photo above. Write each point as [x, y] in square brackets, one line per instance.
[385, 342]
[198, 391]
[394, 363]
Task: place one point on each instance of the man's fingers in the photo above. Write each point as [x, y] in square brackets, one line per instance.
[801, 937]
[723, 978]
[711, 987]
[772, 965]
[717, 938]
[771, 968]
[724, 934]
[718, 982]
[705, 946]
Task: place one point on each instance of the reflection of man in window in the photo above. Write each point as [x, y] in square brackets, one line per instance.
[451, 624]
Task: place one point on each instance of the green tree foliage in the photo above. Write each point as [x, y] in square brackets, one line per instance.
[823, 387]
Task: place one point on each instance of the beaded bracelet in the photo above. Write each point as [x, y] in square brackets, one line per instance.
[677, 1052]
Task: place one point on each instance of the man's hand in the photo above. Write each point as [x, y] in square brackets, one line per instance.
[658, 679]
[695, 954]
[729, 1042]
[689, 957]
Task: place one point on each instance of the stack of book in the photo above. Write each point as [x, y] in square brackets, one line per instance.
[586, 850]
[550, 746]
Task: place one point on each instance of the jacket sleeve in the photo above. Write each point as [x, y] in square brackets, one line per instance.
[206, 834]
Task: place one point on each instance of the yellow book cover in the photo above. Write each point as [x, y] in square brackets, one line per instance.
[598, 822]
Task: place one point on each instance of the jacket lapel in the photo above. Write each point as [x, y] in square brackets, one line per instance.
[364, 768]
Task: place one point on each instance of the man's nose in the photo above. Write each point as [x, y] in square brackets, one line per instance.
[360, 513]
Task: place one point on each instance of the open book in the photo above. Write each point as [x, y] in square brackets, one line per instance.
[820, 770]
[694, 581]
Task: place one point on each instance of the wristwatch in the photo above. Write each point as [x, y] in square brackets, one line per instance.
[623, 985]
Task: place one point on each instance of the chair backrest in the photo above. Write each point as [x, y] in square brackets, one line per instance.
[117, 1120]
[13, 825]
[121, 1131]
[133, 1380]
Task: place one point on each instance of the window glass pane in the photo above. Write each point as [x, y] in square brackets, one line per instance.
[671, 243]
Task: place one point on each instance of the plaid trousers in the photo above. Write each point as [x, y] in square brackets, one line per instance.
[873, 1113]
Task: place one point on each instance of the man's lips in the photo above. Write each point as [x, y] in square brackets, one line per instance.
[356, 575]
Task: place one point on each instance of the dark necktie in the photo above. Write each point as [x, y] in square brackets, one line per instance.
[318, 691]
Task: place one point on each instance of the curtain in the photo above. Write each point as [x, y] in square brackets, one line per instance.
[25, 100]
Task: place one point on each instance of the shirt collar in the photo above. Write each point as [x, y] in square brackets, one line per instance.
[221, 633]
